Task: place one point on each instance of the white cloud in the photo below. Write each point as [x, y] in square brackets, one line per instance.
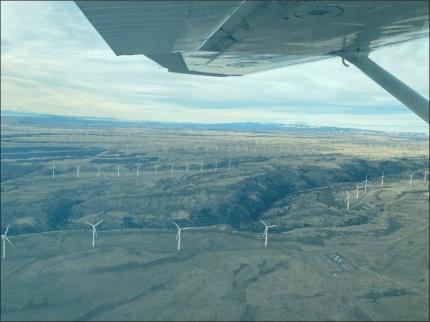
[53, 61]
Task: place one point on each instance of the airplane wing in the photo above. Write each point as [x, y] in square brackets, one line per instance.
[232, 38]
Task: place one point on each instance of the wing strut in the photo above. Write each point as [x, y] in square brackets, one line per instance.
[414, 101]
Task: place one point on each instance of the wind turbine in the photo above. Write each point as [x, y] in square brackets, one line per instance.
[137, 169]
[382, 179]
[348, 196]
[229, 166]
[410, 178]
[94, 229]
[98, 171]
[171, 169]
[357, 191]
[3, 241]
[117, 173]
[365, 184]
[178, 235]
[266, 231]
[78, 167]
[425, 175]
[53, 170]
[201, 167]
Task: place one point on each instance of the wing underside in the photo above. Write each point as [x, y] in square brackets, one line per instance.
[225, 38]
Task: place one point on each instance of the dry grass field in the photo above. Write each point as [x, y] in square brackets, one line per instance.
[322, 262]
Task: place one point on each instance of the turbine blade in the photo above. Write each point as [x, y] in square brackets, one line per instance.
[8, 241]
[88, 223]
[98, 222]
[176, 225]
[263, 222]
[7, 228]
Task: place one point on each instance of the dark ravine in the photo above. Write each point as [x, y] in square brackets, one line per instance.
[239, 205]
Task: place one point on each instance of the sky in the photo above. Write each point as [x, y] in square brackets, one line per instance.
[53, 61]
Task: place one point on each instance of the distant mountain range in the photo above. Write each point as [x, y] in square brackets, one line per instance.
[22, 117]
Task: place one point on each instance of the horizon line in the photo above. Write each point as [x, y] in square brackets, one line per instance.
[119, 120]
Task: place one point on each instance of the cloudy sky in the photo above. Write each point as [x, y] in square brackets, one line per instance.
[53, 61]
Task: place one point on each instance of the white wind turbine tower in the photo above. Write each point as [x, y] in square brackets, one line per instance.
[229, 166]
[137, 169]
[425, 175]
[78, 167]
[382, 179]
[201, 167]
[357, 191]
[117, 173]
[348, 196]
[98, 171]
[365, 184]
[94, 229]
[266, 231]
[171, 169]
[53, 170]
[3, 241]
[178, 235]
[410, 178]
